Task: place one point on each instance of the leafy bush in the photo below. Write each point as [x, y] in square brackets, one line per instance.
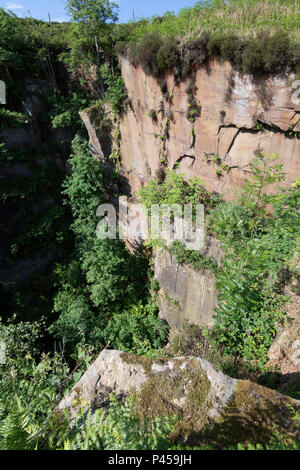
[253, 60]
[168, 55]
[64, 110]
[28, 388]
[104, 279]
[198, 261]
[228, 47]
[84, 189]
[194, 54]
[175, 190]
[247, 317]
[115, 89]
[278, 52]
[138, 330]
[146, 53]
[20, 339]
[77, 322]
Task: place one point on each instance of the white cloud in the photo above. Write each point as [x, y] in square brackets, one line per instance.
[60, 19]
[13, 6]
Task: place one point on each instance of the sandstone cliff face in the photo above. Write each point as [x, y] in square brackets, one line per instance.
[213, 407]
[231, 105]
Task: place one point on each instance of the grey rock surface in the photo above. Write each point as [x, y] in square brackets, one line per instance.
[187, 294]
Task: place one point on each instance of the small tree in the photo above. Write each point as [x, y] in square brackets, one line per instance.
[93, 16]
[98, 11]
[257, 192]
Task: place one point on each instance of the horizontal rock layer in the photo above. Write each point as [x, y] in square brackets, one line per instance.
[231, 105]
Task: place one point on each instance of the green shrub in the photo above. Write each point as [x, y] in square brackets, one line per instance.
[115, 89]
[231, 48]
[249, 312]
[62, 120]
[198, 261]
[175, 190]
[278, 52]
[29, 383]
[104, 279]
[77, 322]
[194, 54]
[65, 109]
[253, 56]
[12, 119]
[146, 53]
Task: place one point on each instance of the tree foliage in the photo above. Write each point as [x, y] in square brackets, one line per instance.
[93, 11]
[104, 282]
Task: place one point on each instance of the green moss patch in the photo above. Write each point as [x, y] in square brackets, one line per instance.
[254, 415]
[175, 387]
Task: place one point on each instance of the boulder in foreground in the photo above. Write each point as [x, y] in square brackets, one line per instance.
[213, 407]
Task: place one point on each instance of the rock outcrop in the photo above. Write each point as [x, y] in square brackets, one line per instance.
[186, 294]
[237, 117]
[212, 406]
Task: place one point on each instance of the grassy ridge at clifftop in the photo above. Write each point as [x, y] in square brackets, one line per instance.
[256, 37]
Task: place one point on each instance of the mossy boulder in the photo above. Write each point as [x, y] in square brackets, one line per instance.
[212, 407]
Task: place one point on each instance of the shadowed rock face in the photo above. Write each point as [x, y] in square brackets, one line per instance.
[231, 105]
[36, 137]
[213, 407]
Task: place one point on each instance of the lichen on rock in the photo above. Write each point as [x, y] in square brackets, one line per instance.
[210, 406]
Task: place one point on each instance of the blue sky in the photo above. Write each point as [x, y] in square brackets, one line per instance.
[40, 8]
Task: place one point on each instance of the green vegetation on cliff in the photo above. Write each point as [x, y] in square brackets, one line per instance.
[260, 233]
[103, 283]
